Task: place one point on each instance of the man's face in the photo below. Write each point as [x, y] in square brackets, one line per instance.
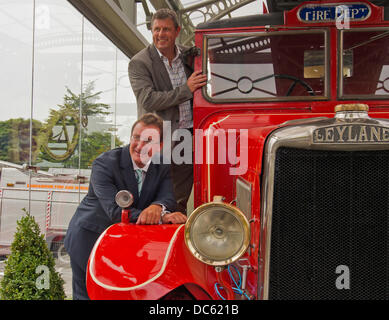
[164, 34]
[145, 142]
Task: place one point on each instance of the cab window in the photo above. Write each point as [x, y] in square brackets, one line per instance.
[267, 66]
[364, 67]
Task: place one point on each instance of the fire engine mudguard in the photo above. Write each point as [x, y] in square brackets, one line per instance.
[132, 261]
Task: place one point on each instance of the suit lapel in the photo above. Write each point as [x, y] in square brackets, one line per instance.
[160, 69]
[151, 181]
[187, 61]
[128, 175]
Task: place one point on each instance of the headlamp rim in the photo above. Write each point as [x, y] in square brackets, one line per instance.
[219, 205]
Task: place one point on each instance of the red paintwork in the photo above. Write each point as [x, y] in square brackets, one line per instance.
[125, 216]
[137, 252]
[129, 255]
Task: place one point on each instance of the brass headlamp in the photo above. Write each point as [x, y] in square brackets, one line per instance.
[217, 233]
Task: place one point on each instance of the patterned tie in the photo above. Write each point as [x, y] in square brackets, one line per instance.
[138, 176]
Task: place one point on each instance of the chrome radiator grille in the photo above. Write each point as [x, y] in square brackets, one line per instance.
[329, 225]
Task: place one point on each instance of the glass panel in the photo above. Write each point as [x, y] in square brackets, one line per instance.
[126, 110]
[57, 84]
[16, 35]
[98, 103]
[15, 80]
[266, 66]
[75, 99]
[57, 81]
[366, 63]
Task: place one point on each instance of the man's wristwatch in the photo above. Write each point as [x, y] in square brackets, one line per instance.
[163, 212]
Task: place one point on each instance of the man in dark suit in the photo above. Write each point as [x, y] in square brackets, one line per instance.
[137, 168]
[163, 83]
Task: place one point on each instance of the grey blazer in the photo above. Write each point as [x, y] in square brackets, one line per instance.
[152, 86]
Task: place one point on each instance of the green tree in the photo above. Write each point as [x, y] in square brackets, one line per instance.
[29, 272]
[92, 145]
[69, 116]
[61, 130]
[15, 140]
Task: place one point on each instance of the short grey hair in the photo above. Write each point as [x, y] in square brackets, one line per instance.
[165, 13]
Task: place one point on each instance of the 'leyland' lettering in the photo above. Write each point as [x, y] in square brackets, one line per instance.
[355, 133]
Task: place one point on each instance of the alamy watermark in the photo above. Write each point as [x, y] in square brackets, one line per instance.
[43, 280]
[342, 14]
[343, 280]
[213, 146]
[43, 21]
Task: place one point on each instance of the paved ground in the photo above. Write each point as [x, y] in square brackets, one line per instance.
[63, 267]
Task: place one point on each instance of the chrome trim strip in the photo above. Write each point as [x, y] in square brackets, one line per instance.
[243, 192]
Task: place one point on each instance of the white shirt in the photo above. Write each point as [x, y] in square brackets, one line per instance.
[144, 169]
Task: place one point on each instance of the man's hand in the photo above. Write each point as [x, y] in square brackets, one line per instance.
[150, 215]
[196, 80]
[174, 217]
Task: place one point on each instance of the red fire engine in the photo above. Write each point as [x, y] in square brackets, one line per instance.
[291, 159]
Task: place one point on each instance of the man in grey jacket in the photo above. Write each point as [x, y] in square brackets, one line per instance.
[163, 83]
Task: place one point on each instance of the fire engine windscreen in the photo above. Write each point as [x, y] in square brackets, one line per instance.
[365, 63]
[267, 66]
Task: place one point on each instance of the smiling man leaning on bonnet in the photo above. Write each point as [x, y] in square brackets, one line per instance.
[136, 167]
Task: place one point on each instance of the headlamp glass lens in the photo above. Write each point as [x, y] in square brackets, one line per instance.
[217, 234]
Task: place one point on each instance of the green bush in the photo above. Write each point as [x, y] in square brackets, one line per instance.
[29, 272]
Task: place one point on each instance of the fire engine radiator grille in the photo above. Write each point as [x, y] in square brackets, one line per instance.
[330, 225]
